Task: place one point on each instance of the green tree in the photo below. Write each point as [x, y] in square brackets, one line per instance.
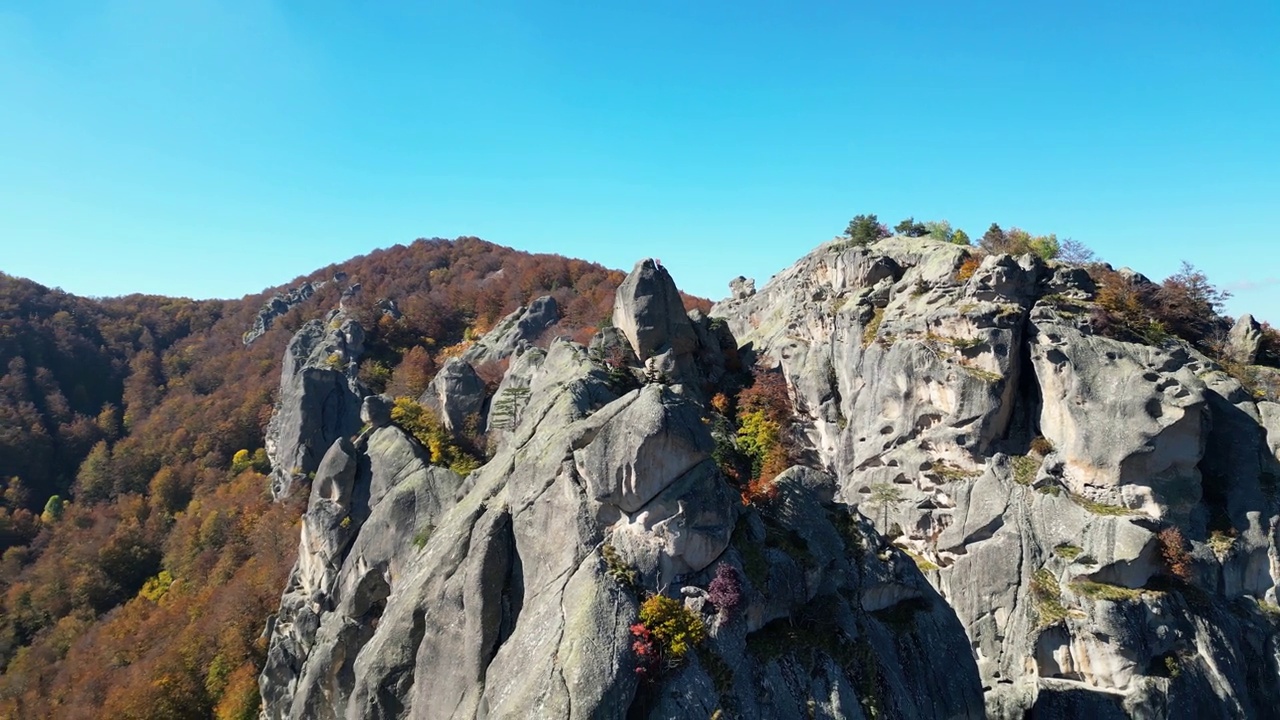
[993, 239]
[911, 228]
[884, 497]
[94, 481]
[961, 238]
[53, 510]
[865, 229]
[940, 230]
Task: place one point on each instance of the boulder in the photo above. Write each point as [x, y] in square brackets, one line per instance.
[1244, 340]
[457, 395]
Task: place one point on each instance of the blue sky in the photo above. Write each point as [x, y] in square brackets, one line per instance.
[208, 148]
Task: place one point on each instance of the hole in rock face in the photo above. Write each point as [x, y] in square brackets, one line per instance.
[1056, 357]
[1001, 350]
[1154, 408]
[1150, 377]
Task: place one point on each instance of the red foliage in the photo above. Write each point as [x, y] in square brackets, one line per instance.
[1173, 550]
[760, 491]
[693, 302]
[769, 393]
[648, 658]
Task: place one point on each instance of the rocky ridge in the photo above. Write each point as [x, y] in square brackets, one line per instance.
[1025, 573]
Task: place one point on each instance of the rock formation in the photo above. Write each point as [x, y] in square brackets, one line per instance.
[279, 305]
[1038, 463]
[1038, 469]
[319, 398]
[1244, 340]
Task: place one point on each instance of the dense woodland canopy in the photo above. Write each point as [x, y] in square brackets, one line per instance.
[141, 554]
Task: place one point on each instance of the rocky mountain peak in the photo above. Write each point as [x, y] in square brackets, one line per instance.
[991, 510]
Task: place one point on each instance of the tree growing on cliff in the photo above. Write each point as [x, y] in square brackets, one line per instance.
[865, 229]
[885, 496]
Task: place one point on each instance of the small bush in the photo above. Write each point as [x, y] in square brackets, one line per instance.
[952, 473]
[442, 447]
[1173, 550]
[873, 327]
[675, 628]
[968, 267]
[617, 568]
[648, 660]
[1068, 552]
[1100, 508]
[1041, 446]
[725, 590]
[1047, 595]
[1221, 543]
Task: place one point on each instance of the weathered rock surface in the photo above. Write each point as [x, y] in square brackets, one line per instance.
[508, 608]
[319, 398]
[1024, 466]
[456, 394]
[515, 332]
[648, 310]
[279, 305]
[1244, 340]
[909, 377]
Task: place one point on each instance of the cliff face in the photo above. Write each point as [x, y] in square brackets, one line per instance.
[1038, 464]
[1027, 466]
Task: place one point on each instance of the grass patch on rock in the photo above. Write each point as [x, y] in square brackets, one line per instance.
[1025, 468]
[1100, 508]
[1105, 591]
[1047, 595]
[1067, 551]
[873, 327]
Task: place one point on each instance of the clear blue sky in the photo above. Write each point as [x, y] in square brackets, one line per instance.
[213, 148]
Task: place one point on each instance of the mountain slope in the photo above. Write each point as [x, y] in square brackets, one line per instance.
[170, 552]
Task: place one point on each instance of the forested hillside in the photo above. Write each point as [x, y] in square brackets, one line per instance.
[141, 551]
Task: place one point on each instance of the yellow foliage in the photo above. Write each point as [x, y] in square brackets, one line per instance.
[155, 588]
[423, 424]
[675, 628]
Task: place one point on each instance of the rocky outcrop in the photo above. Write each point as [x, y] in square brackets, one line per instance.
[518, 601]
[515, 333]
[648, 310]
[373, 504]
[319, 398]
[278, 305]
[1244, 340]
[457, 395]
[1036, 463]
[984, 525]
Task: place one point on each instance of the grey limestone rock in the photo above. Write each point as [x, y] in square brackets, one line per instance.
[910, 378]
[320, 398]
[1244, 340]
[648, 310]
[741, 288]
[975, 529]
[457, 395]
[279, 305]
[515, 332]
